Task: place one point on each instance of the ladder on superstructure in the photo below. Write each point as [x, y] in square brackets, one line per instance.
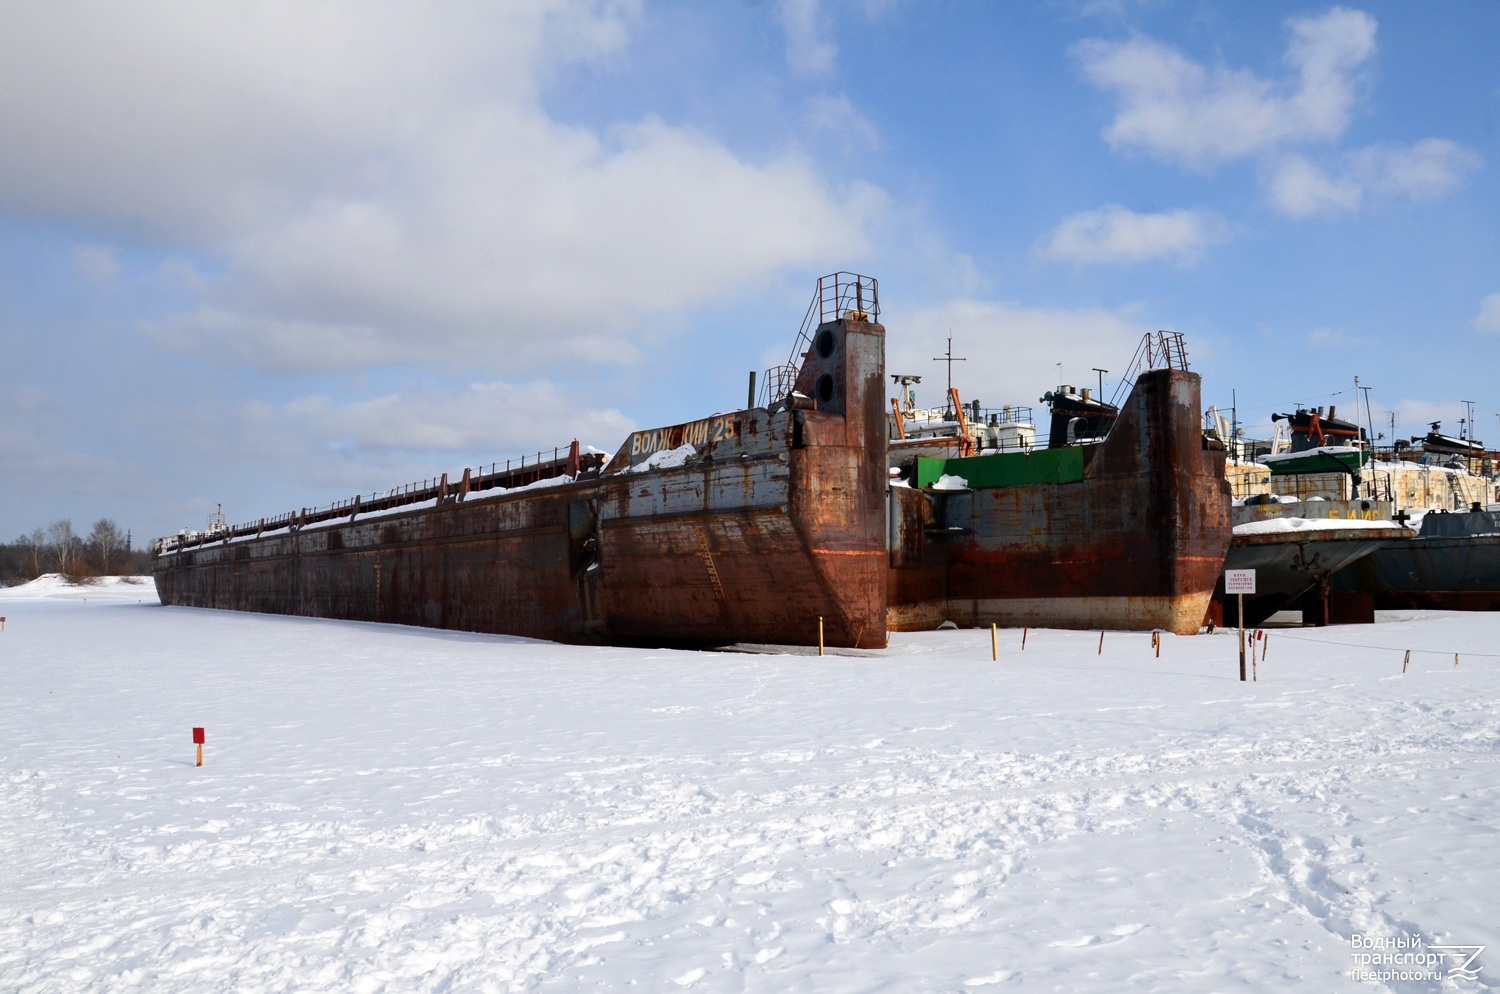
[839, 295]
[1158, 350]
[1460, 499]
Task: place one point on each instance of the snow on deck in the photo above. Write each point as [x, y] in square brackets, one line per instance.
[398, 809]
[1332, 451]
[1276, 526]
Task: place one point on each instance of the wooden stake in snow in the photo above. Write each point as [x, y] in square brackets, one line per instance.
[1240, 582]
[820, 635]
[198, 738]
[1265, 643]
[1024, 630]
[1406, 662]
[2, 622]
[994, 641]
[1455, 659]
[1101, 643]
[1242, 638]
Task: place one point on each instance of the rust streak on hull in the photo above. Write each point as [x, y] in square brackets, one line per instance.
[770, 518]
[1137, 542]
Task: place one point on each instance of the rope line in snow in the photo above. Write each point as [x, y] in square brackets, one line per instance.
[1384, 648]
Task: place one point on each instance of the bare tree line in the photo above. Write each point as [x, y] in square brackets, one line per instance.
[105, 551]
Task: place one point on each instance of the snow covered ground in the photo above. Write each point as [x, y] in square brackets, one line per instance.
[397, 809]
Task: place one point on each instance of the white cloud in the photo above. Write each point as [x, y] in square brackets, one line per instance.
[1425, 170]
[1301, 189]
[96, 263]
[1178, 109]
[808, 51]
[1011, 350]
[1115, 234]
[376, 183]
[279, 345]
[1334, 339]
[837, 116]
[477, 418]
[1488, 318]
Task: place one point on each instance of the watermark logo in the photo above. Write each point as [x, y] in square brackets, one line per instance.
[1463, 957]
[1407, 957]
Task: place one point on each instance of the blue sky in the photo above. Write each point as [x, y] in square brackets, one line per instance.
[271, 256]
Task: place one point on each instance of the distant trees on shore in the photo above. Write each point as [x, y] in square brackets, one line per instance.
[106, 551]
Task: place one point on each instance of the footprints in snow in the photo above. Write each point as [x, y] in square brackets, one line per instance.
[1117, 934]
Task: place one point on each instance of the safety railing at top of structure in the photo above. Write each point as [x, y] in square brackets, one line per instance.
[996, 417]
[1376, 486]
[839, 295]
[1158, 350]
[509, 475]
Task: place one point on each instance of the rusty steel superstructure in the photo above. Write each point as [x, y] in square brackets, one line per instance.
[1125, 533]
[761, 525]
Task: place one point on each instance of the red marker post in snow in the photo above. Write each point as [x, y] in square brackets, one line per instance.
[198, 739]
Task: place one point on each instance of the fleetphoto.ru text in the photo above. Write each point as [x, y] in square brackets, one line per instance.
[1407, 957]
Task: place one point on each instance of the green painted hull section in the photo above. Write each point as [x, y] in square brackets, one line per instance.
[1010, 469]
[1322, 462]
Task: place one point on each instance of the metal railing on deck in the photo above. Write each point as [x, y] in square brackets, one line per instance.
[1373, 485]
[511, 474]
[1158, 350]
[1010, 414]
[839, 295]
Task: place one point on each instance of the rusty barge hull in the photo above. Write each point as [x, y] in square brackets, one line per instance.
[766, 522]
[1136, 542]
[745, 572]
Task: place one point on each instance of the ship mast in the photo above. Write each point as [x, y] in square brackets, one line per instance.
[1369, 417]
[950, 359]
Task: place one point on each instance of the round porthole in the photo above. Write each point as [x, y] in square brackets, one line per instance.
[824, 388]
[824, 344]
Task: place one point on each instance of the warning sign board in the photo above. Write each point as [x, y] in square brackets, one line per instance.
[1239, 581]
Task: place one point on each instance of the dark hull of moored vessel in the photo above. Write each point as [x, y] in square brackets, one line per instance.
[1296, 550]
[1452, 564]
